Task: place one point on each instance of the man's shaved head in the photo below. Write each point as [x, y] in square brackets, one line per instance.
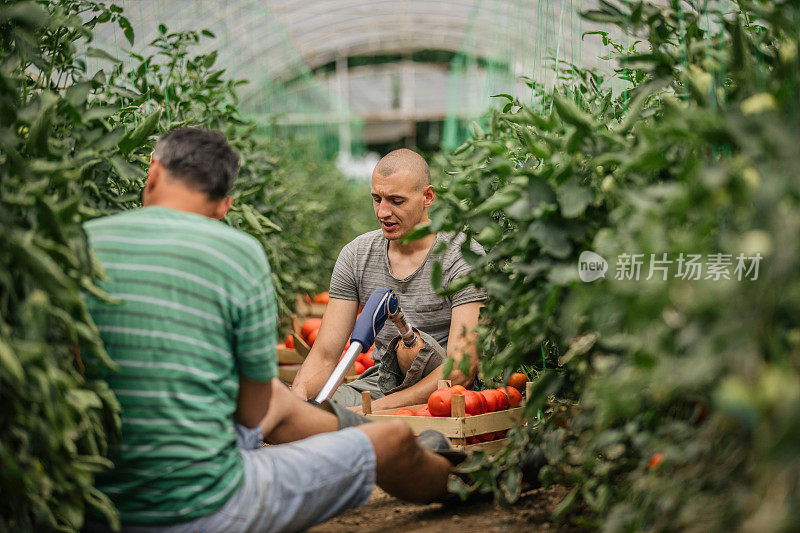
[405, 160]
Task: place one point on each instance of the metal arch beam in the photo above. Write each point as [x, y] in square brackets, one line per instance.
[322, 40]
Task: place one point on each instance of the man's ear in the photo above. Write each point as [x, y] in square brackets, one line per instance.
[429, 195]
[222, 207]
[154, 176]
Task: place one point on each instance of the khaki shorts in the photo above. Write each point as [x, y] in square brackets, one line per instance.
[349, 394]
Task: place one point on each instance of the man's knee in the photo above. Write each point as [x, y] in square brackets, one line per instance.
[391, 440]
[402, 435]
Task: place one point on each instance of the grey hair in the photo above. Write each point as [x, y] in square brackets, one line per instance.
[200, 158]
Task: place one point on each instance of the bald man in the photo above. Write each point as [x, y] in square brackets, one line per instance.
[401, 196]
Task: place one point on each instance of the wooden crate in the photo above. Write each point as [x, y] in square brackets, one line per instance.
[287, 373]
[289, 356]
[290, 361]
[456, 427]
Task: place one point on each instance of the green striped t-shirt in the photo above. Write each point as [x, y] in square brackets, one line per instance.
[196, 309]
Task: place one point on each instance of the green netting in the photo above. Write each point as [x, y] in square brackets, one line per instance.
[522, 48]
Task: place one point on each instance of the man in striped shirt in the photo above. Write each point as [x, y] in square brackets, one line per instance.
[193, 334]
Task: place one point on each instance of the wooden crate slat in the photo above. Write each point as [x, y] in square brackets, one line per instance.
[490, 422]
[493, 446]
[300, 345]
[454, 427]
[286, 373]
[289, 355]
[447, 426]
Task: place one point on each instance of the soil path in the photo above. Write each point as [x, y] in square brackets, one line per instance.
[384, 513]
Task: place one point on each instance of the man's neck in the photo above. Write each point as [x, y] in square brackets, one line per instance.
[198, 206]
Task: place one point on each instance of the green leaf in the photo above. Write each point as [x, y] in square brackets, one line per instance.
[447, 367]
[499, 200]
[573, 199]
[490, 235]
[456, 486]
[125, 170]
[11, 364]
[91, 51]
[127, 29]
[26, 14]
[76, 94]
[137, 137]
[418, 232]
[511, 484]
[436, 274]
[40, 128]
[573, 115]
[551, 238]
[477, 131]
[208, 33]
[209, 59]
[565, 506]
[98, 113]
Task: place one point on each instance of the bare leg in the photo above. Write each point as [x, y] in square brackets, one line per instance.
[397, 454]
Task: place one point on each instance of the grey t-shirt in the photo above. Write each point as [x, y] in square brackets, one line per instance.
[363, 266]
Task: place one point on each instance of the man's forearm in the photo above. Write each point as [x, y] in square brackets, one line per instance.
[419, 392]
[312, 375]
[289, 418]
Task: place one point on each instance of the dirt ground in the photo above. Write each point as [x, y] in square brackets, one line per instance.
[385, 513]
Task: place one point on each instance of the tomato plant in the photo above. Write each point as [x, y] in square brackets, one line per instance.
[695, 156]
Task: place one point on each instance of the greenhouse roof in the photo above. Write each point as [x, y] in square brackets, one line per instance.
[388, 62]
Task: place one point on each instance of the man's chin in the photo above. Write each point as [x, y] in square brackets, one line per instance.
[392, 235]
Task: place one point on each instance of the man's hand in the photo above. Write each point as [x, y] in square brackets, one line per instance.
[337, 324]
[462, 341]
[406, 355]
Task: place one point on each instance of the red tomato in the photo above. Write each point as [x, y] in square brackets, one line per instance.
[655, 460]
[312, 337]
[514, 396]
[502, 399]
[473, 403]
[491, 400]
[439, 402]
[423, 411]
[484, 403]
[359, 368]
[322, 298]
[472, 440]
[486, 437]
[308, 326]
[289, 342]
[459, 388]
[405, 412]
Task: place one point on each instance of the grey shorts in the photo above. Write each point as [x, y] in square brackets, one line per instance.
[290, 487]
